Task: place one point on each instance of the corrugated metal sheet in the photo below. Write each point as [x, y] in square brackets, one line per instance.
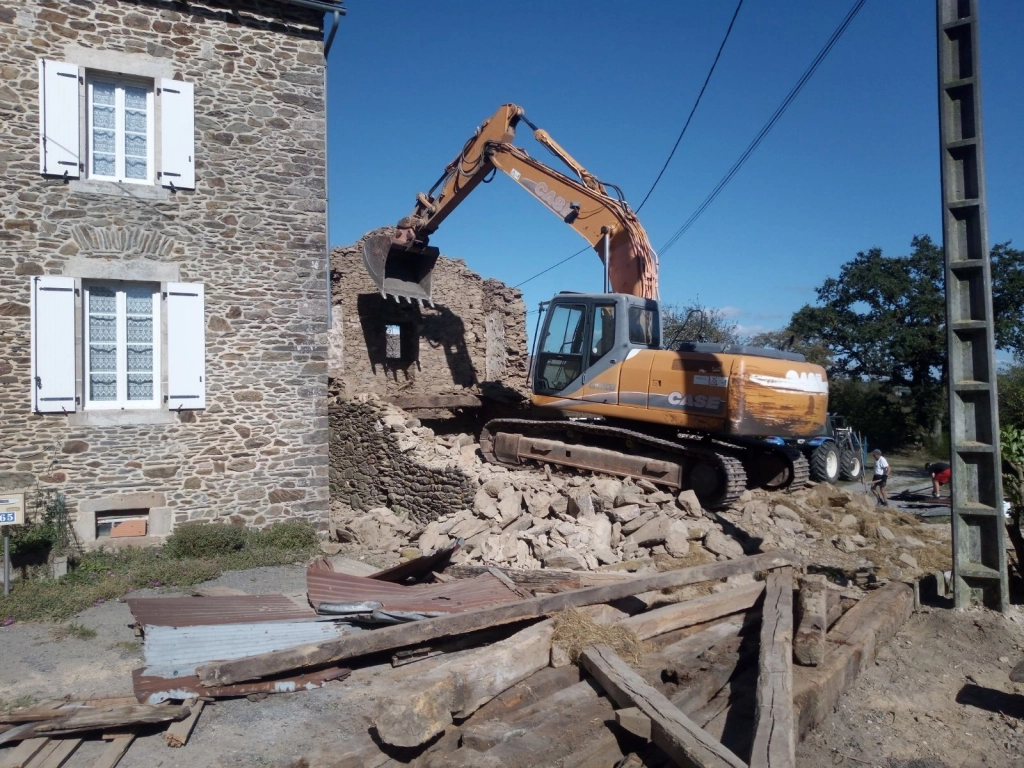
[199, 611]
[324, 586]
[177, 651]
[152, 689]
[419, 566]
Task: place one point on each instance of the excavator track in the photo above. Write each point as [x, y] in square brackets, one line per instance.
[714, 469]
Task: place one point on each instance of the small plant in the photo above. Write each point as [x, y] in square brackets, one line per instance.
[205, 540]
[290, 535]
[77, 631]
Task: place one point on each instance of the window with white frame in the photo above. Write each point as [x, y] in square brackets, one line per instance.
[99, 344]
[120, 130]
[120, 127]
[122, 347]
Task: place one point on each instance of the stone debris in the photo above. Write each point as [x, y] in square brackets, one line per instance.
[429, 490]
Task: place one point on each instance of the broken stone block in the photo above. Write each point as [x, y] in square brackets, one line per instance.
[606, 489]
[659, 497]
[783, 512]
[511, 506]
[846, 544]
[483, 500]
[884, 533]
[625, 514]
[718, 543]
[677, 540]
[539, 504]
[432, 538]
[581, 504]
[848, 521]
[908, 560]
[637, 523]
[626, 498]
[559, 506]
[565, 559]
[606, 556]
[791, 526]
[652, 532]
[909, 542]
[688, 502]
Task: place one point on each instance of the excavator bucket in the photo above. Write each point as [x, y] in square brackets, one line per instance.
[398, 270]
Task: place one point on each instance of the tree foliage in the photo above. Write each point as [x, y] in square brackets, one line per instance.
[1011, 395]
[696, 322]
[812, 348]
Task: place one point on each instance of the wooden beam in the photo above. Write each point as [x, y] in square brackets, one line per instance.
[177, 734]
[543, 580]
[96, 719]
[673, 732]
[850, 649]
[115, 751]
[696, 611]
[774, 742]
[58, 756]
[389, 638]
[20, 755]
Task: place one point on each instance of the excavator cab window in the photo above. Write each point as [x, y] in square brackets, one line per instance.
[604, 331]
[642, 324]
[561, 350]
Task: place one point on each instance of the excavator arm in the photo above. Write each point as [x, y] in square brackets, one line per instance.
[401, 265]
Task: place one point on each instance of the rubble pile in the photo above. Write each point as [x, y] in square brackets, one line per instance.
[548, 518]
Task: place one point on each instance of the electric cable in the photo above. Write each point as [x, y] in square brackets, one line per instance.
[838, 33]
[695, 105]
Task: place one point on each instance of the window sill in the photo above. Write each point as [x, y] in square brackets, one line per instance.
[117, 189]
[115, 417]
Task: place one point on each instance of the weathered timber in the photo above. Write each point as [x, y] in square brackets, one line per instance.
[633, 720]
[774, 742]
[97, 719]
[677, 736]
[691, 612]
[541, 580]
[809, 638]
[22, 753]
[177, 734]
[413, 714]
[850, 648]
[390, 638]
[115, 751]
[62, 749]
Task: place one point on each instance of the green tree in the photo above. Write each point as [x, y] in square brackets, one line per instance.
[696, 322]
[813, 349]
[1011, 441]
[1011, 395]
[1008, 297]
[883, 318]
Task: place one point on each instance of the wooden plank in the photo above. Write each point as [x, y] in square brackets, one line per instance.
[774, 742]
[850, 648]
[413, 714]
[677, 735]
[809, 638]
[177, 734]
[21, 754]
[98, 719]
[692, 612]
[115, 751]
[48, 748]
[57, 758]
[389, 638]
[543, 580]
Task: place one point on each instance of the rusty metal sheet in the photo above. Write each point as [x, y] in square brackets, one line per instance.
[324, 586]
[420, 566]
[200, 611]
[151, 689]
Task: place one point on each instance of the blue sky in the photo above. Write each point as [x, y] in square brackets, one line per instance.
[852, 165]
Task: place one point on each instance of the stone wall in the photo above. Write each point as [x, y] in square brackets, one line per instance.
[373, 464]
[473, 341]
[252, 231]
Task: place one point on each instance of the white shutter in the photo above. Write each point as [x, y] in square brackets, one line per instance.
[53, 344]
[186, 346]
[59, 140]
[177, 134]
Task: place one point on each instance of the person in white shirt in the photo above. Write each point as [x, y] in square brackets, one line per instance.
[880, 478]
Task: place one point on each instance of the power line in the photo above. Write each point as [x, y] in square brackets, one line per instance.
[695, 104]
[558, 264]
[838, 33]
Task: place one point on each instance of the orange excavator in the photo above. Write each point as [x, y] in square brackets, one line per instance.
[609, 395]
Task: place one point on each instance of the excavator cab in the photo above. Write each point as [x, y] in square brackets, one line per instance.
[585, 336]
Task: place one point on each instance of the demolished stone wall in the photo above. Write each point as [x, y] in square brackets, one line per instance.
[374, 463]
[472, 341]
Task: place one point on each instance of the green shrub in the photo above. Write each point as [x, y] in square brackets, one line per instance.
[289, 535]
[205, 540]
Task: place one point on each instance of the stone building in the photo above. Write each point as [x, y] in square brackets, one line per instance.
[471, 342]
[163, 291]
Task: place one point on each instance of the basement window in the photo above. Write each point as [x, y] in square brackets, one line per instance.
[122, 524]
[400, 342]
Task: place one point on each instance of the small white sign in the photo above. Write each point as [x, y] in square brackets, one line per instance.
[12, 508]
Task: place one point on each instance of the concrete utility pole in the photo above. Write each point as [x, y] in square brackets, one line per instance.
[979, 528]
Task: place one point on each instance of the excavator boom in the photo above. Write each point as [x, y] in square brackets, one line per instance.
[402, 265]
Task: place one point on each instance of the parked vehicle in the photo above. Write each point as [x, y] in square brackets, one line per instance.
[835, 455]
